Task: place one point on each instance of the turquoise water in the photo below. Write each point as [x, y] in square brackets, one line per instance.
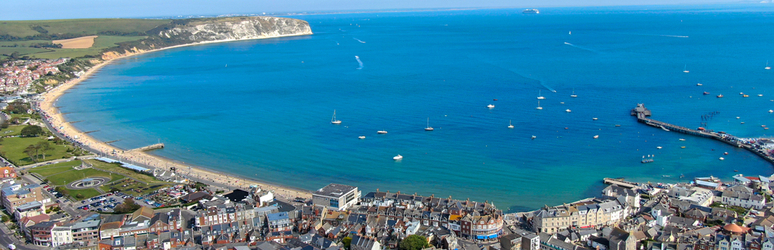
[262, 108]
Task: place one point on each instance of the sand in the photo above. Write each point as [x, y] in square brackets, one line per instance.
[83, 42]
[57, 121]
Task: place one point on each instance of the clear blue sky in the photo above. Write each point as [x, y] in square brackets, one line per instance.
[61, 9]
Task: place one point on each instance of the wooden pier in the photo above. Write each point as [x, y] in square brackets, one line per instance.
[643, 113]
[89, 132]
[150, 147]
[620, 182]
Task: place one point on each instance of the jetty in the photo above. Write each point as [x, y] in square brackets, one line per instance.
[619, 182]
[89, 132]
[643, 113]
[149, 147]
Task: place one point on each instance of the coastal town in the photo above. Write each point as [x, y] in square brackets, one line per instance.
[107, 201]
[60, 188]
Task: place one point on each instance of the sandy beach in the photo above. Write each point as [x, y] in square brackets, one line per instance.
[53, 116]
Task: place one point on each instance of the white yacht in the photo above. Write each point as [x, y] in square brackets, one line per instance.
[510, 125]
[596, 136]
[333, 119]
[428, 128]
[538, 107]
[568, 111]
[540, 97]
[398, 157]
[685, 69]
[491, 106]
[381, 132]
[361, 137]
[573, 95]
[767, 65]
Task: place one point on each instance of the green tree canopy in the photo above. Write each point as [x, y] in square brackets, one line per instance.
[413, 242]
[31, 131]
[127, 207]
[346, 241]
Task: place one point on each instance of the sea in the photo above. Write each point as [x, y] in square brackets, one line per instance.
[262, 109]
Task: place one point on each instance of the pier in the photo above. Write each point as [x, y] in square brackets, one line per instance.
[108, 142]
[643, 113]
[149, 147]
[89, 132]
[74, 122]
[620, 182]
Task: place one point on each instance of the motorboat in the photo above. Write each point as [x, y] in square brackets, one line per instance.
[568, 111]
[398, 157]
[381, 132]
[361, 137]
[596, 136]
[491, 106]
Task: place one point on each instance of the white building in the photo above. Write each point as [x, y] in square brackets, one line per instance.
[336, 196]
[61, 235]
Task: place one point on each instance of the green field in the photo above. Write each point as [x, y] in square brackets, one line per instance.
[12, 148]
[100, 43]
[12, 130]
[78, 26]
[115, 167]
[87, 193]
[52, 169]
[65, 177]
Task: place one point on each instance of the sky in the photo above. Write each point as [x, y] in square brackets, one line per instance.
[66, 9]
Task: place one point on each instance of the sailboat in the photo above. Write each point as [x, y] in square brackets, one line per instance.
[540, 97]
[573, 95]
[538, 107]
[685, 69]
[509, 124]
[767, 65]
[428, 128]
[333, 119]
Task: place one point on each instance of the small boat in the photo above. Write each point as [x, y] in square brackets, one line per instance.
[618, 125]
[682, 146]
[698, 84]
[509, 124]
[659, 147]
[540, 97]
[361, 137]
[333, 119]
[428, 128]
[594, 118]
[398, 157]
[721, 158]
[771, 111]
[745, 96]
[491, 106]
[760, 95]
[533, 137]
[737, 117]
[596, 136]
[741, 93]
[767, 65]
[494, 99]
[538, 107]
[681, 139]
[685, 69]
[381, 132]
[720, 96]
[725, 153]
[736, 170]
[706, 93]
[573, 95]
[742, 122]
[568, 111]
[648, 159]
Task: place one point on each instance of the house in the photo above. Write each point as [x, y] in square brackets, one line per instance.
[622, 240]
[7, 172]
[364, 243]
[40, 234]
[17, 194]
[336, 196]
[195, 197]
[742, 196]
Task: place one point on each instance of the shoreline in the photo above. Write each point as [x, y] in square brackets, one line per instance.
[55, 120]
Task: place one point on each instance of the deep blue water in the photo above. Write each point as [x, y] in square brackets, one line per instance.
[262, 108]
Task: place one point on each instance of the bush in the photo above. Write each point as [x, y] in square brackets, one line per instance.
[5, 218]
[31, 131]
[413, 242]
[79, 196]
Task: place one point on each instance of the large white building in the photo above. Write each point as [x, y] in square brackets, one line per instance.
[336, 196]
[743, 196]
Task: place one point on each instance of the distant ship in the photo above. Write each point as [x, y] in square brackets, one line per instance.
[531, 11]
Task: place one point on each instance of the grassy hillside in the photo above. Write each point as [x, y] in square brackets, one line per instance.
[100, 43]
[79, 27]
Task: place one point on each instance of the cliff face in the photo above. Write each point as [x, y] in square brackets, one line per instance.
[236, 28]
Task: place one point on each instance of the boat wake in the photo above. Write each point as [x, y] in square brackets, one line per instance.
[674, 36]
[361, 41]
[480, 58]
[580, 47]
[359, 62]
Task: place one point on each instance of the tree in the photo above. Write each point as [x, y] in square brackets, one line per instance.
[413, 242]
[346, 241]
[31, 151]
[43, 146]
[127, 207]
[79, 196]
[5, 219]
[31, 131]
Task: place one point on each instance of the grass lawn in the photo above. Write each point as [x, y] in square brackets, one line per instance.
[13, 149]
[74, 175]
[48, 170]
[12, 130]
[87, 193]
[115, 167]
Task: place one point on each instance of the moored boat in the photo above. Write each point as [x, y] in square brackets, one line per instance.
[398, 157]
[381, 132]
[334, 120]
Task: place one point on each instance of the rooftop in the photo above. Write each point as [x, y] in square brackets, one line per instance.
[334, 190]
